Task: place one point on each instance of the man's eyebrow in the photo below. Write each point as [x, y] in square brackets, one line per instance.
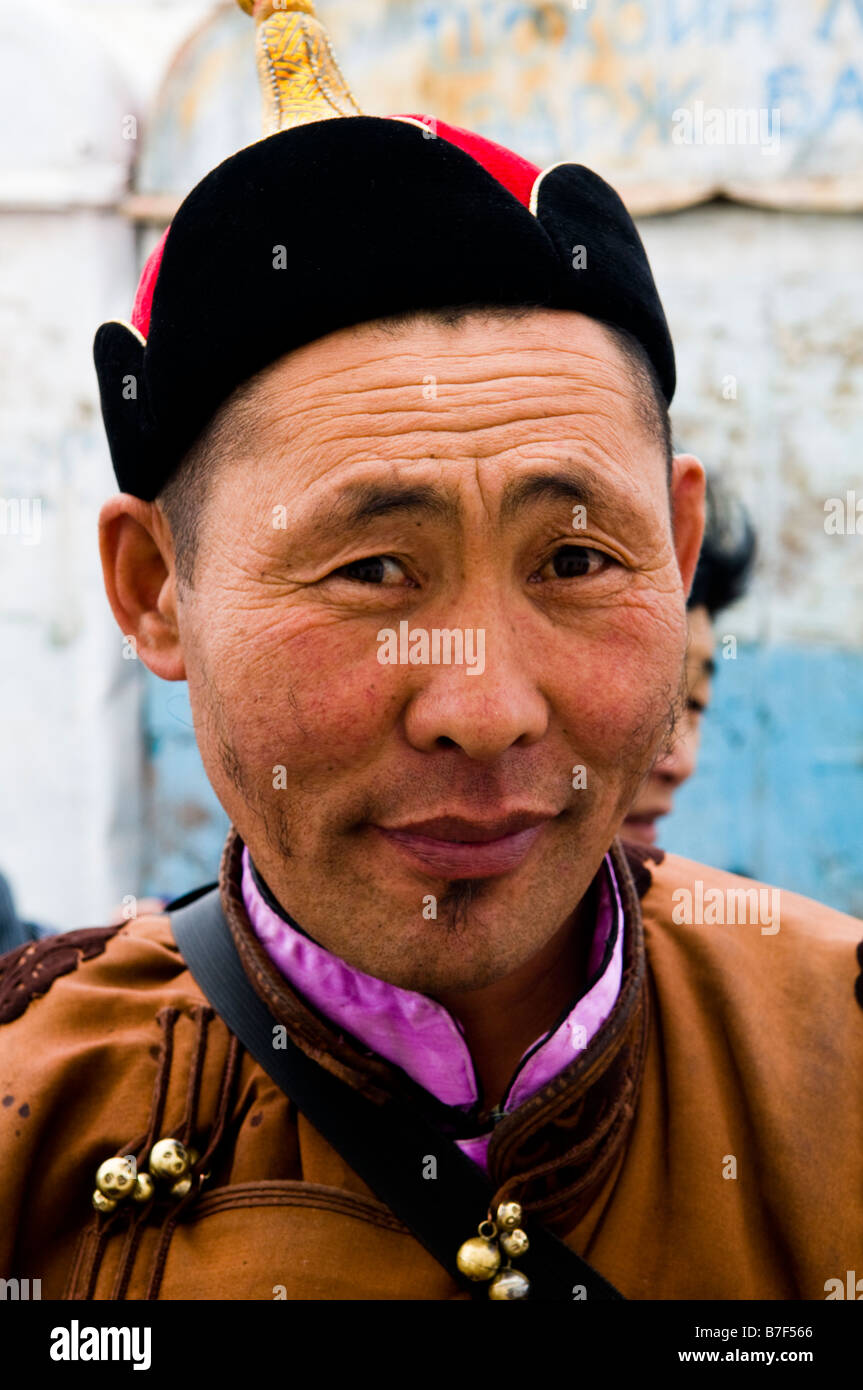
[360, 503]
[567, 486]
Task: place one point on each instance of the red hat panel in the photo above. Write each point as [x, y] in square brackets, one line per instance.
[517, 175]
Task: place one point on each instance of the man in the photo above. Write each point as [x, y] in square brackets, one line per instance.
[424, 569]
[720, 579]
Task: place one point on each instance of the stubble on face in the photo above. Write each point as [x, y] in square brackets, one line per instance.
[270, 811]
[456, 905]
[459, 907]
[283, 674]
[464, 908]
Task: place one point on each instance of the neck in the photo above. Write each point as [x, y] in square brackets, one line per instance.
[502, 1020]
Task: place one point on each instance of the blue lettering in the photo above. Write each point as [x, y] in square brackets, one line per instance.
[587, 97]
[824, 30]
[784, 86]
[644, 36]
[656, 108]
[761, 11]
[847, 96]
[680, 28]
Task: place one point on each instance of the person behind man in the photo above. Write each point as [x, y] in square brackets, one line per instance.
[14, 931]
[724, 567]
[398, 500]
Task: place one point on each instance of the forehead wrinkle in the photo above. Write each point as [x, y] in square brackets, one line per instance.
[355, 506]
[450, 430]
[330, 391]
[359, 402]
[297, 366]
[416, 420]
[584, 465]
[336, 415]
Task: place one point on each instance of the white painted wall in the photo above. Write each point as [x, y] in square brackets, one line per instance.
[71, 754]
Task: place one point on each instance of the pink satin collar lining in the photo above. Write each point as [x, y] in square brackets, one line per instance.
[419, 1035]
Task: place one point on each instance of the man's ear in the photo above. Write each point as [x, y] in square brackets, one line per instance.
[687, 514]
[137, 554]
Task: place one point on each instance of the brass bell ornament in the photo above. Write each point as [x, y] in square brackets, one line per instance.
[480, 1258]
[514, 1243]
[115, 1178]
[508, 1216]
[169, 1159]
[103, 1204]
[145, 1188]
[510, 1283]
[170, 1162]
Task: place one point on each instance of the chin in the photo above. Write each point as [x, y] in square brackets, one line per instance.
[442, 959]
[441, 977]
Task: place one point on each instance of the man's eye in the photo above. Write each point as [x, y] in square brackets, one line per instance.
[373, 569]
[575, 562]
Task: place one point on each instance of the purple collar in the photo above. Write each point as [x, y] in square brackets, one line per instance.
[419, 1035]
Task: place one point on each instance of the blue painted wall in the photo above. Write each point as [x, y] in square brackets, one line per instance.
[186, 825]
[778, 793]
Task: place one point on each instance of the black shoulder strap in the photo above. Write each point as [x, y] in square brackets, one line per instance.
[387, 1145]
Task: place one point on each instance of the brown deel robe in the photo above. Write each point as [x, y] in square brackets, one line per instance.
[729, 1048]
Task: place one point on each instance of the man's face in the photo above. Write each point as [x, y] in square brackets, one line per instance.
[433, 481]
[674, 766]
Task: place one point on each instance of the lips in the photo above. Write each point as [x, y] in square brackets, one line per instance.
[454, 847]
[457, 829]
[642, 828]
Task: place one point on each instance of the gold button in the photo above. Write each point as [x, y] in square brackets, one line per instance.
[169, 1159]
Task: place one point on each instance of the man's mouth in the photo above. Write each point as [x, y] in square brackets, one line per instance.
[641, 828]
[454, 847]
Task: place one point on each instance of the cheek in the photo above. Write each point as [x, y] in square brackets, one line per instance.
[616, 684]
[309, 693]
[310, 698]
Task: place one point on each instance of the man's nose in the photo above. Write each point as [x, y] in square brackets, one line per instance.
[678, 764]
[482, 712]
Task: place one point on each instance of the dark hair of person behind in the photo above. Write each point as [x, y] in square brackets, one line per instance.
[727, 552]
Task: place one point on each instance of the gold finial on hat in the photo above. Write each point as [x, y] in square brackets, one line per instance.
[299, 75]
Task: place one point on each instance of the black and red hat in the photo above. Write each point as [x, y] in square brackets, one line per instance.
[333, 222]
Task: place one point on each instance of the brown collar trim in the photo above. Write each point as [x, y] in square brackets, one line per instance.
[554, 1150]
[363, 1070]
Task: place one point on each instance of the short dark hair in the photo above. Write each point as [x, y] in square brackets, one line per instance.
[183, 497]
[727, 551]
[652, 405]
